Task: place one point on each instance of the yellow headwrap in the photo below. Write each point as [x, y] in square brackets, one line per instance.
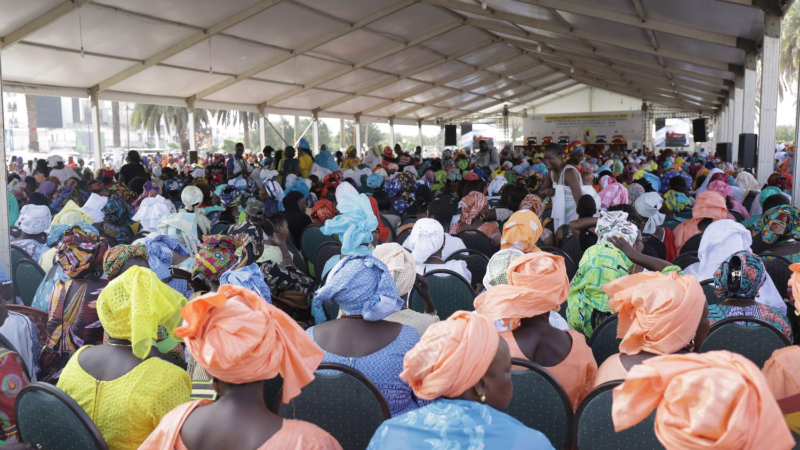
[71, 214]
[133, 305]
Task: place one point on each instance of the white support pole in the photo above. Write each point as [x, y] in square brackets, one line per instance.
[723, 126]
[749, 98]
[769, 96]
[441, 136]
[366, 133]
[262, 128]
[97, 141]
[391, 133]
[315, 135]
[341, 135]
[192, 135]
[5, 227]
[732, 136]
[419, 128]
[738, 102]
[795, 161]
[296, 136]
[283, 129]
[357, 128]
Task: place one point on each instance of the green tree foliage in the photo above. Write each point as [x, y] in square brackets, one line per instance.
[785, 133]
[149, 117]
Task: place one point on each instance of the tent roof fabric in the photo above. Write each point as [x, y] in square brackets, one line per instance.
[406, 60]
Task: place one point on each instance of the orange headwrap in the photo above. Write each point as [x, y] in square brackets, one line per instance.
[708, 400]
[238, 337]
[794, 283]
[658, 313]
[782, 371]
[452, 356]
[522, 231]
[710, 205]
[538, 283]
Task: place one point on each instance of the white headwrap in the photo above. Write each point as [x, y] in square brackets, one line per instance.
[268, 174]
[648, 205]
[426, 238]
[400, 264]
[344, 189]
[191, 196]
[290, 179]
[496, 186]
[35, 219]
[198, 172]
[157, 171]
[411, 170]
[703, 187]
[151, 211]
[498, 266]
[94, 207]
[747, 181]
[353, 175]
[274, 189]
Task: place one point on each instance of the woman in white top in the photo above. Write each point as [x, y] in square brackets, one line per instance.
[563, 185]
[426, 242]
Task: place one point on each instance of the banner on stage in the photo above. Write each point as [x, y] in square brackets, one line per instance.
[616, 127]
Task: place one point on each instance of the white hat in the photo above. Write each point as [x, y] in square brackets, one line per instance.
[34, 219]
[52, 161]
[94, 207]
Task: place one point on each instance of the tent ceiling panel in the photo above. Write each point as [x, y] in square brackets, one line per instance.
[38, 65]
[204, 13]
[17, 13]
[512, 64]
[599, 26]
[442, 71]
[474, 77]
[284, 25]
[391, 110]
[350, 10]
[227, 55]
[701, 70]
[249, 92]
[546, 80]
[310, 99]
[168, 81]
[356, 46]
[399, 89]
[429, 95]
[451, 102]
[493, 51]
[406, 60]
[356, 80]
[704, 49]
[356, 105]
[110, 33]
[735, 20]
[479, 105]
[500, 84]
[425, 112]
[524, 9]
[298, 70]
[532, 74]
[455, 40]
[413, 21]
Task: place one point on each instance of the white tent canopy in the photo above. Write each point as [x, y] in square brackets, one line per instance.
[378, 59]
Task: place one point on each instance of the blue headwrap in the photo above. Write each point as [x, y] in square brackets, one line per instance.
[354, 225]
[374, 181]
[325, 160]
[654, 181]
[249, 277]
[300, 186]
[478, 171]
[57, 231]
[400, 206]
[361, 285]
[423, 182]
[173, 185]
[159, 257]
[392, 187]
[303, 144]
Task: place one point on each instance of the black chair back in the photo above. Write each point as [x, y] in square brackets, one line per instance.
[750, 337]
[272, 390]
[476, 263]
[342, 401]
[693, 244]
[737, 216]
[709, 290]
[777, 266]
[685, 260]
[572, 266]
[572, 247]
[476, 240]
[540, 402]
[403, 236]
[48, 418]
[311, 240]
[220, 228]
[27, 278]
[325, 252]
[390, 227]
[593, 427]
[656, 243]
[450, 293]
[604, 342]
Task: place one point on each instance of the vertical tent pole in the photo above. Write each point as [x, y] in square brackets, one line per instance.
[749, 97]
[315, 132]
[366, 132]
[391, 132]
[192, 132]
[5, 226]
[297, 136]
[341, 134]
[732, 136]
[738, 113]
[441, 135]
[419, 129]
[97, 141]
[796, 160]
[357, 132]
[262, 127]
[769, 96]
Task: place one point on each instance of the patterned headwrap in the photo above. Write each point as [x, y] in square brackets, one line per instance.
[217, 254]
[230, 196]
[471, 176]
[439, 179]
[532, 202]
[322, 211]
[374, 181]
[174, 185]
[407, 181]
[361, 285]
[778, 180]
[400, 206]
[454, 175]
[117, 256]
[612, 193]
[720, 187]
[615, 224]
[471, 206]
[249, 277]
[57, 232]
[78, 252]
[778, 222]
[573, 147]
[634, 191]
[676, 201]
[750, 278]
[392, 187]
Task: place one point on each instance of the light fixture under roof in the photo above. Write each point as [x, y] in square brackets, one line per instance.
[483, 4]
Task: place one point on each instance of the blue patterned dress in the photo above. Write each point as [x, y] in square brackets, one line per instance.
[383, 368]
[759, 311]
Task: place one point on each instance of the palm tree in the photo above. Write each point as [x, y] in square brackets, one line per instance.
[33, 134]
[231, 118]
[149, 117]
[790, 49]
[115, 123]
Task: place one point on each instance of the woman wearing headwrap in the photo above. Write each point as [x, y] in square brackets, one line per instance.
[522, 231]
[634, 191]
[241, 341]
[216, 255]
[757, 208]
[72, 319]
[356, 227]
[71, 214]
[474, 208]
[464, 367]
[777, 231]
[676, 202]
[124, 385]
[648, 207]
[612, 193]
[288, 164]
[34, 221]
[426, 243]
[384, 233]
[538, 284]
[509, 203]
[708, 208]
[366, 293]
[658, 315]
[118, 216]
[322, 211]
[738, 280]
[294, 207]
[724, 190]
[707, 400]
[351, 160]
[563, 185]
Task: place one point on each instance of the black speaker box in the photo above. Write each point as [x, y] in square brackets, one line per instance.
[699, 128]
[450, 135]
[466, 128]
[725, 151]
[748, 150]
